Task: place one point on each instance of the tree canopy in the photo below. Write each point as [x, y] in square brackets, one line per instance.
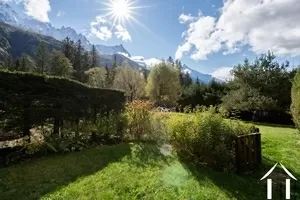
[262, 85]
[163, 85]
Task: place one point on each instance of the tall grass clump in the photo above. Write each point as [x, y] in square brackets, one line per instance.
[206, 138]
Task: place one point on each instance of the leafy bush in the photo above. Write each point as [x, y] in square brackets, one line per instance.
[206, 138]
[138, 119]
[295, 107]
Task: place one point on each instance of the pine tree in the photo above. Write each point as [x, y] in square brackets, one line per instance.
[68, 48]
[178, 65]
[111, 73]
[107, 75]
[42, 57]
[171, 61]
[86, 65]
[60, 65]
[23, 64]
[79, 71]
[187, 80]
[9, 63]
[197, 81]
[95, 58]
[17, 65]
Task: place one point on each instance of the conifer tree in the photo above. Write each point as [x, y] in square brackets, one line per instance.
[95, 58]
[42, 57]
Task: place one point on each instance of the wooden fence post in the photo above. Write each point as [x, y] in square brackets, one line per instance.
[248, 152]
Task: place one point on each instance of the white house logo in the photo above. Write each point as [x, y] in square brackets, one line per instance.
[287, 182]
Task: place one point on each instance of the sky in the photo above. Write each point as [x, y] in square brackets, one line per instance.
[210, 36]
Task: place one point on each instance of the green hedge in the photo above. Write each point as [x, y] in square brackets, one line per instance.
[295, 95]
[28, 100]
[207, 139]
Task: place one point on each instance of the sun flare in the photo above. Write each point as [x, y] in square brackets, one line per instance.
[121, 10]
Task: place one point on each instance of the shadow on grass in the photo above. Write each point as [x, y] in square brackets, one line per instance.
[143, 155]
[246, 186]
[34, 179]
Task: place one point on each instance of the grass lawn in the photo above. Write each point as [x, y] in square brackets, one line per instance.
[142, 171]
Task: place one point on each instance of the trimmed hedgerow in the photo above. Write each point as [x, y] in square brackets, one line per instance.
[28, 100]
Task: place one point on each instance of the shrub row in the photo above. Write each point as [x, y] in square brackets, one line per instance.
[206, 138]
[28, 100]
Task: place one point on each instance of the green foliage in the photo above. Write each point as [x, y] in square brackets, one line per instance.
[95, 58]
[138, 119]
[261, 85]
[16, 42]
[295, 107]
[131, 81]
[60, 65]
[42, 57]
[29, 100]
[206, 138]
[28, 64]
[163, 85]
[203, 94]
[96, 77]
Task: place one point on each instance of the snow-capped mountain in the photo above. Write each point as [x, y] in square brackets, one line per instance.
[9, 16]
[148, 63]
[205, 78]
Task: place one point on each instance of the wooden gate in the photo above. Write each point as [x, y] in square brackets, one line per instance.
[248, 152]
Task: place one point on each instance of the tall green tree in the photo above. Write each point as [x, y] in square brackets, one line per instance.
[18, 65]
[186, 79]
[111, 72]
[78, 62]
[42, 57]
[95, 58]
[262, 85]
[60, 65]
[131, 81]
[163, 85]
[27, 64]
[9, 63]
[96, 77]
[69, 48]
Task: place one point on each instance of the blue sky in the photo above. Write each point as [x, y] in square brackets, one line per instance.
[208, 35]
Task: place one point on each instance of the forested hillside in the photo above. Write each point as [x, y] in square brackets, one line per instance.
[17, 42]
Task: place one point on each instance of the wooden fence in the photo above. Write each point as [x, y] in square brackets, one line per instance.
[248, 152]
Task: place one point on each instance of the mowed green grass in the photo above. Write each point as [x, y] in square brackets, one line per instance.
[141, 171]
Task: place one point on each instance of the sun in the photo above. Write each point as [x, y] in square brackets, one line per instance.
[121, 10]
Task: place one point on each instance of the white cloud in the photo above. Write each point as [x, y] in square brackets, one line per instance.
[37, 9]
[60, 13]
[104, 29]
[103, 33]
[260, 24]
[183, 18]
[223, 73]
[122, 33]
[101, 28]
[182, 49]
